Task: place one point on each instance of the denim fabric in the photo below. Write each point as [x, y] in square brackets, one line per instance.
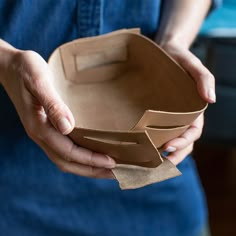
[35, 197]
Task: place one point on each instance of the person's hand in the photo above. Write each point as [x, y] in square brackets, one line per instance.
[46, 119]
[180, 147]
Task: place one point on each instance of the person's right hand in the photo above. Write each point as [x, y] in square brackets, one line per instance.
[26, 78]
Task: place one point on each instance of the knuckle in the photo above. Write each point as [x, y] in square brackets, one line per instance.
[29, 54]
[90, 172]
[27, 63]
[196, 61]
[35, 81]
[67, 156]
[22, 63]
[211, 76]
[98, 172]
[91, 160]
[203, 74]
[53, 109]
[88, 158]
[93, 172]
[193, 62]
[186, 139]
[206, 75]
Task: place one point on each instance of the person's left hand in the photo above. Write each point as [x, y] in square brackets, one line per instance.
[181, 146]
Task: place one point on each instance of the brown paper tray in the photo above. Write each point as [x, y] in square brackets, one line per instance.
[128, 98]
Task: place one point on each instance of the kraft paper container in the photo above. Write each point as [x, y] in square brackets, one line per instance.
[128, 98]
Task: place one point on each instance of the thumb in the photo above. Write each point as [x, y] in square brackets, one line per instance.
[39, 83]
[204, 79]
[58, 113]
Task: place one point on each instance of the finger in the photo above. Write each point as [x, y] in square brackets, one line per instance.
[38, 80]
[78, 169]
[204, 79]
[70, 152]
[189, 136]
[179, 156]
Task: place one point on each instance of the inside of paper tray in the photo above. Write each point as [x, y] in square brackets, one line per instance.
[109, 82]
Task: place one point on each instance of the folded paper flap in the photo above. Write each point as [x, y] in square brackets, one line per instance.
[131, 177]
[125, 136]
[113, 142]
[112, 56]
[124, 147]
[103, 72]
[105, 64]
[165, 120]
[93, 52]
[161, 136]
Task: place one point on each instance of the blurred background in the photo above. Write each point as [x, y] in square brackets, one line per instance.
[215, 153]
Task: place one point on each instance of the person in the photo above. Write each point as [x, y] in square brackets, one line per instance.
[81, 199]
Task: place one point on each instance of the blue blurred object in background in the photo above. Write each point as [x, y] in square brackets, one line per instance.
[222, 21]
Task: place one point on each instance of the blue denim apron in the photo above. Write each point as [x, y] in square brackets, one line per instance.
[36, 199]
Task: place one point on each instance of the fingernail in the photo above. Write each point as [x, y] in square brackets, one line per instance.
[111, 163]
[212, 95]
[64, 125]
[164, 154]
[170, 149]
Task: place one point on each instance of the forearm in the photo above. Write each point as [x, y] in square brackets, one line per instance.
[181, 21]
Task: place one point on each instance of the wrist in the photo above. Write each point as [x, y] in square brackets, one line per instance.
[7, 53]
[172, 41]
